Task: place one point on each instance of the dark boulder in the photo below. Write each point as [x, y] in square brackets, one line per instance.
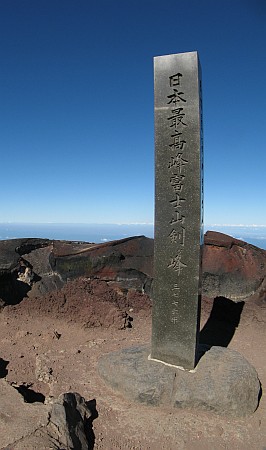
[223, 382]
[70, 422]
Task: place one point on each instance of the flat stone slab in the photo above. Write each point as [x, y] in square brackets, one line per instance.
[223, 382]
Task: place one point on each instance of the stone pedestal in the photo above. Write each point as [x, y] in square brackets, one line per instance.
[223, 382]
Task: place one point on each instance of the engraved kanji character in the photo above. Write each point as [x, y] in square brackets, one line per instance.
[178, 144]
[174, 320]
[176, 263]
[174, 80]
[176, 97]
[177, 201]
[173, 236]
[177, 182]
[177, 117]
[178, 236]
[177, 162]
[176, 293]
[174, 312]
[177, 218]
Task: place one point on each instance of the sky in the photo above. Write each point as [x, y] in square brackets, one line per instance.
[76, 106]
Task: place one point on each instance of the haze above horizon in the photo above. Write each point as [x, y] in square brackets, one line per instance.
[76, 116]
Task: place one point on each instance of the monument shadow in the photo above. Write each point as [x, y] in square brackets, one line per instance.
[222, 323]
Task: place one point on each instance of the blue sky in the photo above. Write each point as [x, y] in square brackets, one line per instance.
[76, 106]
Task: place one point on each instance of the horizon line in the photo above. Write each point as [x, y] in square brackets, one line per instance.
[236, 225]
[75, 223]
[128, 223]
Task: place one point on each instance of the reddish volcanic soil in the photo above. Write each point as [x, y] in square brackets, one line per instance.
[52, 345]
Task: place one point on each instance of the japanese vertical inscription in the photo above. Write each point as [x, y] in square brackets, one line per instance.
[178, 208]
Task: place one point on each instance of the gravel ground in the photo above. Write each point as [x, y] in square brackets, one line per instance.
[52, 344]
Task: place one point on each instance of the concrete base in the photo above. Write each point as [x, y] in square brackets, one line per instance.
[223, 382]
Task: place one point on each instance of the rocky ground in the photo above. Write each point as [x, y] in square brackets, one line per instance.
[52, 344]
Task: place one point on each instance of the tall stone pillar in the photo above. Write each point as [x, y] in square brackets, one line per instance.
[178, 209]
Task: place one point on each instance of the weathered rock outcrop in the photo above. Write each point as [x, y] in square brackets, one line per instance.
[126, 263]
[231, 268]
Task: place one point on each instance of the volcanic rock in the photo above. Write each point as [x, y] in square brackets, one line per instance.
[66, 424]
[223, 382]
[69, 421]
[231, 267]
[127, 264]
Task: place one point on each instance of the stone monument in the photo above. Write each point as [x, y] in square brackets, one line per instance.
[178, 208]
[223, 381]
